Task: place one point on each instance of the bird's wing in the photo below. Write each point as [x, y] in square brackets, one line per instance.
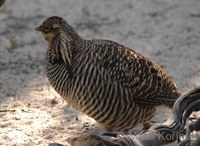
[131, 70]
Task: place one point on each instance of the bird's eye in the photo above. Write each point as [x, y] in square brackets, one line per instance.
[46, 29]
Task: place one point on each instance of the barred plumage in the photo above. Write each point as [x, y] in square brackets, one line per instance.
[158, 134]
[111, 83]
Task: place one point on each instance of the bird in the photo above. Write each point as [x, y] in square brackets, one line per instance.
[109, 82]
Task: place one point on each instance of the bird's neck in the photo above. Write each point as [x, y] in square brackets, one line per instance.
[53, 55]
[62, 49]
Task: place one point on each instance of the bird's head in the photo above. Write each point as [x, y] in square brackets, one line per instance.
[60, 36]
[56, 27]
[51, 27]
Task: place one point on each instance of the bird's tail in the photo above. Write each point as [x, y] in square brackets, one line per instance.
[157, 101]
[165, 100]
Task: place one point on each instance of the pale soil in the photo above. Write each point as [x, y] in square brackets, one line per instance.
[31, 113]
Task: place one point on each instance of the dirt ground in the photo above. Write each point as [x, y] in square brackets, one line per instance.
[31, 113]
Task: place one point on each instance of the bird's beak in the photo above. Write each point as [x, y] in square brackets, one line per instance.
[37, 29]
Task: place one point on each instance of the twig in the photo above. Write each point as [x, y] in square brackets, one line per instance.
[2, 111]
[2, 2]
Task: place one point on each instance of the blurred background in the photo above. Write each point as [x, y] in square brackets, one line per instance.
[165, 31]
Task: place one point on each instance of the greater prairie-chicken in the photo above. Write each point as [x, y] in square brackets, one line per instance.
[109, 82]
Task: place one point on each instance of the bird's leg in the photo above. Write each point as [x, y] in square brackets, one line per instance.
[148, 125]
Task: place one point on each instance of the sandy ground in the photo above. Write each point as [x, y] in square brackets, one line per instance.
[31, 113]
